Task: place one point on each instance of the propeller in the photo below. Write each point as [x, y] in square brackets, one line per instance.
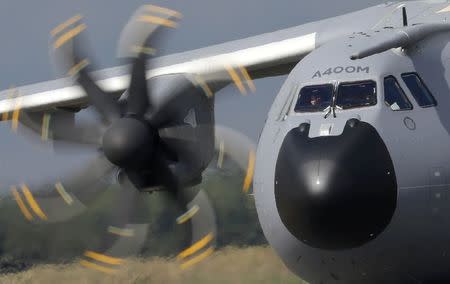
[157, 136]
[130, 135]
[146, 143]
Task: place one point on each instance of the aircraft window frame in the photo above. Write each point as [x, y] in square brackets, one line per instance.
[305, 109]
[402, 94]
[426, 91]
[355, 83]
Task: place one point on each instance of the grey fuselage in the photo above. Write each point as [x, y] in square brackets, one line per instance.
[411, 243]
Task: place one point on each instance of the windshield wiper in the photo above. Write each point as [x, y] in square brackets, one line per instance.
[327, 111]
[332, 108]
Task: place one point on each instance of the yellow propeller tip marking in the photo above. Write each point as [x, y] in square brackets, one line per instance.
[250, 171]
[78, 67]
[11, 94]
[158, 21]
[103, 258]
[5, 116]
[164, 11]
[97, 267]
[188, 215]
[196, 246]
[197, 259]
[32, 202]
[21, 204]
[221, 154]
[143, 49]
[66, 24]
[209, 93]
[69, 35]
[248, 79]
[121, 231]
[16, 114]
[237, 81]
[45, 126]
[64, 194]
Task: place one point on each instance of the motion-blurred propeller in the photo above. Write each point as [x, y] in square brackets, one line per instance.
[149, 138]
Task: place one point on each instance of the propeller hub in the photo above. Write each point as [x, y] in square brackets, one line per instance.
[128, 142]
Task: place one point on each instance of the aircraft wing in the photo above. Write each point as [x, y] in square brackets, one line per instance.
[261, 56]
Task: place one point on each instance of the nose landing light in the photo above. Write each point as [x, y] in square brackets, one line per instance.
[335, 192]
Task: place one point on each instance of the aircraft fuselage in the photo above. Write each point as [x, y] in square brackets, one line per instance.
[358, 191]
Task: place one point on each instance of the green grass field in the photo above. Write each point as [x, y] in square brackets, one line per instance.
[230, 265]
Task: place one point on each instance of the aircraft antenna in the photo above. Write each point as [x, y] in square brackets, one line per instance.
[405, 17]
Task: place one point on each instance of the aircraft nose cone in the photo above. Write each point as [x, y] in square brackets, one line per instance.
[335, 192]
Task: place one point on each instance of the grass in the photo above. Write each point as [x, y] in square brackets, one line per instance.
[230, 265]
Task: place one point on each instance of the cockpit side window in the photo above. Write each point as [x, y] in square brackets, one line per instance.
[356, 94]
[314, 98]
[394, 96]
[419, 90]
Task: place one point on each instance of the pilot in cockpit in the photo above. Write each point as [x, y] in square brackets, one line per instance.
[315, 100]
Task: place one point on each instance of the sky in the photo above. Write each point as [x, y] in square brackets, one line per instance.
[24, 58]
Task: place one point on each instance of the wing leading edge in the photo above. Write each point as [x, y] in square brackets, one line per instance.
[264, 55]
[260, 58]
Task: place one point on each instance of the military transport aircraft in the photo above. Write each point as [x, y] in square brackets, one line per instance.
[351, 173]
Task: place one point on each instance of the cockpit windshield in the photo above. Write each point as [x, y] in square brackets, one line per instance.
[356, 94]
[319, 98]
[314, 98]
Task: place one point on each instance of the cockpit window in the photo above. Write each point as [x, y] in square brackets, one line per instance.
[314, 98]
[356, 94]
[394, 96]
[419, 90]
